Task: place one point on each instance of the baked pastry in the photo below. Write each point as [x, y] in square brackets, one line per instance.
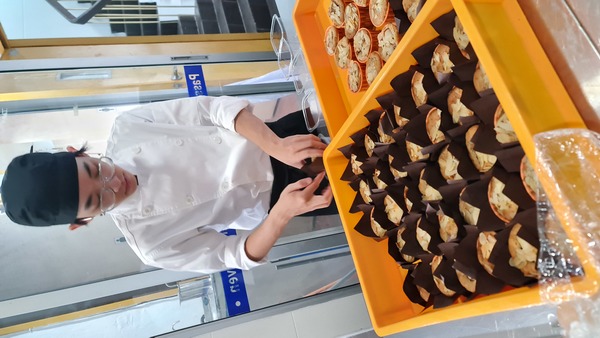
[449, 165]
[469, 212]
[355, 164]
[356, 77]
[439, 281]
[400, 243]
[523, 254]
[393, 210]
[373, 67]
[361, 3]
[504, 130]
[365, 42]
[441, 65]
[529, 178]
[378, 12]
[415, 151]
[485, 244]
[455, 106]
[384, 123]
[461, 38]
[483, 162]
[433, 123]
[351, 20]
[502, 205]
[388, 39]
[332, 37]
[365, 191]
[336, 12]
[428, 191]
[470, 284]
[480, 80]
[370, 143]
[423, 237]
[417, 90]
[343, 53]
[412, 8]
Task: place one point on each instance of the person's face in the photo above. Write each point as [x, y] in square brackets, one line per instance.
[123, 184]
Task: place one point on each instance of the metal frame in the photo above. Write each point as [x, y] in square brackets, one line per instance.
[84, 17]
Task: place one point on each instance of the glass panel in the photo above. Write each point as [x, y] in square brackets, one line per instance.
[46, 19]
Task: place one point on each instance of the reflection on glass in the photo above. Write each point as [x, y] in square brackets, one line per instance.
[312, 111]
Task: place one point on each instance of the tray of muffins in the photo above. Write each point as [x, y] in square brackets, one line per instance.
[347, 43]
[433, 171]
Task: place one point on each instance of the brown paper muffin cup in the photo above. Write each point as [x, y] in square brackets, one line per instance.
[343, 53]
[351, 20]
[373, 66]
[444, 25]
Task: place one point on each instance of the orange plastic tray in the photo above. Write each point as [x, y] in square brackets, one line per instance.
[534, 99]
[336, 100]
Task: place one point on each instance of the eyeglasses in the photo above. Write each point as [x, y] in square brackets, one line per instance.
[106, 172]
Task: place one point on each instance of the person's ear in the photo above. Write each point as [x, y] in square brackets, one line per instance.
[71, 149]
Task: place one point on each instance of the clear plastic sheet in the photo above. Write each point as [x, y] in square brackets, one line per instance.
[568, 167]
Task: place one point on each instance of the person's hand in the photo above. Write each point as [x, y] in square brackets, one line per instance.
[293, 150]
[299, 197]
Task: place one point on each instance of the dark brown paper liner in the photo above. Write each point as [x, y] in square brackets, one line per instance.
[386, 101]
[348, 174]
[466, 169]
[416, 132]
[359, 137]
[414, 170]
[412, 246]
[458, 133]
[476, 194]
[313, 167]
[413, 195]
[439, 98]
[381, 218]
[431, 174]
[469, 94]
[387, 125]
[381, 151]
[444, 25]
[411, 291]
[401, 83]
[451, 192]
[465, 261]
[424, 53]
[510, 158]
[423, 276]
[485, 140]
[357, 149]
[500, 257]
[373, 117]
[400, 16]
[408, 110]
[358, 200]
[364, 224]
[433, 230]
[529, 230]
[393, 250]
[396, 192]
[514, 188]
[446, 210]
[465, 71]
[485, 108]
[400, 157]
[430, 83]
[446, 272]
[385, 174]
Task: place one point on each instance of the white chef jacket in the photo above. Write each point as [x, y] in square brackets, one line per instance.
[197, 176]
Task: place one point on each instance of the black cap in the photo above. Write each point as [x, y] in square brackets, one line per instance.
[41, 189]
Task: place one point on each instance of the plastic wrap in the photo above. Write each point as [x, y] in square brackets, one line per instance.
[568, 167]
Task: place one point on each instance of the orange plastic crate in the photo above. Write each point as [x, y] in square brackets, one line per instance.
[530, 92]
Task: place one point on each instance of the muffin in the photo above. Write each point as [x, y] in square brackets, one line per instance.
[417, 90]
[433, 124]
[332, 37]
[440, 280]
[448, 163]
[456, 107]
[485, 244]
[429, 182]
[460, 37]
[356, 78]
[483, 162]
[387, 40]
[468, 211]
[504, 130]
[400, 243]
[481, 80]
[523, 254]
[502, 205]
[415, 151]
[336, 11]
[379, 12]
[529, 178]
[362, 3]
[364, 43]
[385, 129]
[412, 8]
[351, 20]
[373, 67]
[441, 65]
[343, 53]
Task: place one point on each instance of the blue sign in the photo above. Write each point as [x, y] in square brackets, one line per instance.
[194, 77]
[234, 287]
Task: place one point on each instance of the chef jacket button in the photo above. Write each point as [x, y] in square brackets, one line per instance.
[147, 210]
[189, 199]
[217, 139]
[179, 142]
[137, 150]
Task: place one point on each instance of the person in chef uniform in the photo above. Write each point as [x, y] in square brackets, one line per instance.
[175, 175]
